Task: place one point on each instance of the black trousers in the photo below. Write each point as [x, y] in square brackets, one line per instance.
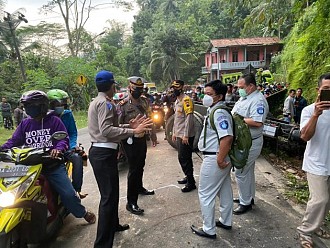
[136, 155]
[185, 158]
[104, 163]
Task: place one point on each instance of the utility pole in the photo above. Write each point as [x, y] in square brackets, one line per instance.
[13, 23]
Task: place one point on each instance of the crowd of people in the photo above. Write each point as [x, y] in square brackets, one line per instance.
[125, 121]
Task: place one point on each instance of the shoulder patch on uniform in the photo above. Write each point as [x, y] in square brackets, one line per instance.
[260, 109]
[224, 124]
[188, 105]
[109, 105]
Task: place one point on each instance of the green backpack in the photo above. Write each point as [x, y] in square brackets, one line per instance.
[242, 142]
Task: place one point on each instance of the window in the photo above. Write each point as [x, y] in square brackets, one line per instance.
[235, 57]
[252, 56]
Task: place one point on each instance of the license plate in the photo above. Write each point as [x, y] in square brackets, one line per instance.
[13, 171]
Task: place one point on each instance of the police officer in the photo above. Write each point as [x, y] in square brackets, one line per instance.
[215, 170]
[253, 106]
[135, 147]
[183, 133]
[105, 135]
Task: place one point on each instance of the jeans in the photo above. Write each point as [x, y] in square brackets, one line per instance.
[77, 170]
[60, 182]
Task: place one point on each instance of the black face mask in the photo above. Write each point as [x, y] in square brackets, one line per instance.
[177, 92]
[33, 110]
[136, 94]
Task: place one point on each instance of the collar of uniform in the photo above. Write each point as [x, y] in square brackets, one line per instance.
[252, 94]
[102, 94]
[221, 103]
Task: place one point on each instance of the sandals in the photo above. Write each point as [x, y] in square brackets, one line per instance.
[90, 217]
[323, 233]
[306, 241]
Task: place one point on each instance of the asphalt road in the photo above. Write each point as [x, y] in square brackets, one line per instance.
[169, 213]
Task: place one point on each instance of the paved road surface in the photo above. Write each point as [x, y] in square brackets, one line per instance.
[169, 213]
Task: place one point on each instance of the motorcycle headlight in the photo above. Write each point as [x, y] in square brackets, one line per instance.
[7, 199]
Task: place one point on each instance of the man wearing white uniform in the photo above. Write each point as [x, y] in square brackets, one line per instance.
[315, 129]
[253, 106]
[215, 171]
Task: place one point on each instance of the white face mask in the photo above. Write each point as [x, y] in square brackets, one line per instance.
[207, 101]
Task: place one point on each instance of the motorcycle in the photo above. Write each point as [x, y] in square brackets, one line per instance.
[30, 211]
[158, 116]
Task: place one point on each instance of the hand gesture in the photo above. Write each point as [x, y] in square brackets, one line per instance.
[136, 121]
[144, 126]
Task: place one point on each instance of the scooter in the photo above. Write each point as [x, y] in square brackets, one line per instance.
[157, 116]
[30, 211]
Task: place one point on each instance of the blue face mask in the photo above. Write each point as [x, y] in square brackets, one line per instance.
[33, 110]
[59, 110]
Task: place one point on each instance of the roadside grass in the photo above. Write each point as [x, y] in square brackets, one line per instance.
[81, 118]
[5, 134]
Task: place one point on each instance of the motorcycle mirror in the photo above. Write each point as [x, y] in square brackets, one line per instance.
[59, 135]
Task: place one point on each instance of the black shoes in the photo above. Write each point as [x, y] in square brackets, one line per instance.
[183, 181]
[236, 200]
[200, 232]
[134, 209]
[219, 224]
[188, 188]
[146, 192]
[121, 228]
[242, 209]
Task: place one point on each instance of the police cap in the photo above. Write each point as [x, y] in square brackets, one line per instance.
[137, 81]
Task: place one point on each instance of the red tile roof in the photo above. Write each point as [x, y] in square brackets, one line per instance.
[245, 41]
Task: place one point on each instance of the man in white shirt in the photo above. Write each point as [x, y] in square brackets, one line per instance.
[315, 129]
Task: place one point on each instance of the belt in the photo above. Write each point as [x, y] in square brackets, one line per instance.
[110, 145]
[209, 153]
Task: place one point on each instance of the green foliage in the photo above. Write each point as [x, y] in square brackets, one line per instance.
[37, 80]
[306, 54]
[297, 188]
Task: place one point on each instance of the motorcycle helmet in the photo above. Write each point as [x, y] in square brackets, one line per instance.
[35, 103]
[34, 97]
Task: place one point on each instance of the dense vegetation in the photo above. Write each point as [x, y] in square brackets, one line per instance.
[168, 40]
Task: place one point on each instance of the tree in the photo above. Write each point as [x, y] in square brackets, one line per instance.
[77, 13]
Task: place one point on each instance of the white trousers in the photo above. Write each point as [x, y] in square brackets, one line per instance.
[318, 205]
[215, 182]
[245, 177]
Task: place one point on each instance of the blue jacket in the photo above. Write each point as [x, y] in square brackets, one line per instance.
[70, 124]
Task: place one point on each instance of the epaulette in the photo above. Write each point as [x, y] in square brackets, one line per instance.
[122, 102]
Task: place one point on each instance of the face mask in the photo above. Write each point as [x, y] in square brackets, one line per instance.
[242, 93]
[207, 101]
[59, 110]
[33, 111]
[177, 92]
[136, 94]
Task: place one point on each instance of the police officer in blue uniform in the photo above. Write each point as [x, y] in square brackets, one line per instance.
[105, 135]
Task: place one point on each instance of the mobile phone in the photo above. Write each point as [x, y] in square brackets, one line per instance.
[325, 95]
